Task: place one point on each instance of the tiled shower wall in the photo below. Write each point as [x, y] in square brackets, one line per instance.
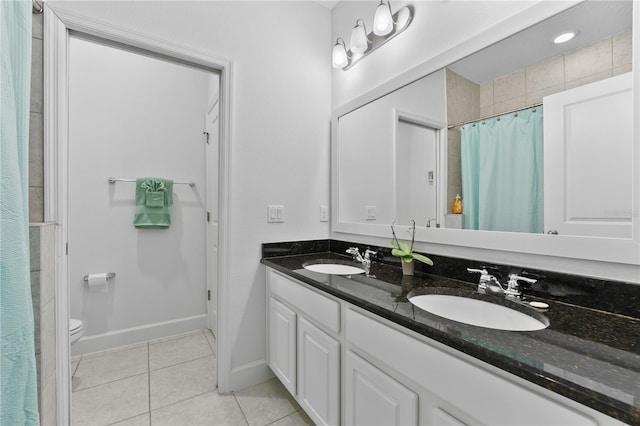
[41, 242]
[468, 101]
[36, 124]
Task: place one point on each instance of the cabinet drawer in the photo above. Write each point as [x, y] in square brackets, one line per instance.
[321, 309]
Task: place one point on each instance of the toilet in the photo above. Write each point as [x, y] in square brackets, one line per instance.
[75, 330]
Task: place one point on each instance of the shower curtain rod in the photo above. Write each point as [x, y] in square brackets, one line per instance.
[37, 6]
[175, 182]
[495, 115]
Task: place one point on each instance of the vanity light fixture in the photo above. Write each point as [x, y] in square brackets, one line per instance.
[340, 57]
[385, 26]
[564, 37]
[359, 40]
[382, 20]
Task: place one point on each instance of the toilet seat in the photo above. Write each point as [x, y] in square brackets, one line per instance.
[75, 330]
[75, 326]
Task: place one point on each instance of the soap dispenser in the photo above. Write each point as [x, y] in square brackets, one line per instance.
[457, 205]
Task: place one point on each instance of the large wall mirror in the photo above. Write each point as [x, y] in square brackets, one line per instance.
[535, 136]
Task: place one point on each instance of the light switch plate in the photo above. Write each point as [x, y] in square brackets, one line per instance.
[275, 214]
[371, 212]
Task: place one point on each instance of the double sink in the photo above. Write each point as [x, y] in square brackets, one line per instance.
[467, 307]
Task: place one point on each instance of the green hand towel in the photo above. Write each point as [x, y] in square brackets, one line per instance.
[154, 197]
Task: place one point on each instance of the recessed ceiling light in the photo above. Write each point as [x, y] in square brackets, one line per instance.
[562, 38]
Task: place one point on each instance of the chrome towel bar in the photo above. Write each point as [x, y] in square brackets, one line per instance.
[190, 183]
[110, 275]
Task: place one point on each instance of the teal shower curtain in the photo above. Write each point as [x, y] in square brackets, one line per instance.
[502, 173]
[18, 391]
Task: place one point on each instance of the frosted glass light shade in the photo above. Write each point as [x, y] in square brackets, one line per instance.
[359, 40]
[382, 20]
[402, 18]
[339, 57]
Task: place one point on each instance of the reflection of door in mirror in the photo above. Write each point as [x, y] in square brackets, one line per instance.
[588, 159]
[382, 152]
[416, 155]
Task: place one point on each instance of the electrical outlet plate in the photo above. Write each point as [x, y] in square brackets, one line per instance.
[324, 214]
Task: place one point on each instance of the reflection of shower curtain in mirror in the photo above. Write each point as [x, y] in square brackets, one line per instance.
[502, 173]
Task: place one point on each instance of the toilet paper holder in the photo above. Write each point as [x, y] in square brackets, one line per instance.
[109, 276]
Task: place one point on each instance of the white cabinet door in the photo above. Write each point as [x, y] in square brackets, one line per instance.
[318, 374]
[588, 161]
[374, 398]
[282, 344]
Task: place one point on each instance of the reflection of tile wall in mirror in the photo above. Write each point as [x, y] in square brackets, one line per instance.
[600, 60]
[603, 59]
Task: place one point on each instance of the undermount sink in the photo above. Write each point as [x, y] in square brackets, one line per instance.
[333, 268]
[481, 313]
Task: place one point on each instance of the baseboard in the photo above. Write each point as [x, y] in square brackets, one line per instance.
[129, 336]
[249, 374]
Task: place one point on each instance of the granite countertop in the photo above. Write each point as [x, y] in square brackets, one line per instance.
[586, 354]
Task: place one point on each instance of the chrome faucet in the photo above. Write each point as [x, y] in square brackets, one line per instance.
[364, 260]
[489, 284]
[513, 287]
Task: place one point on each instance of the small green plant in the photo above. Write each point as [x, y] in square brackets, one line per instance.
[405, 251]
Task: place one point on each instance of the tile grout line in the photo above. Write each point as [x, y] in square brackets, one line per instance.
[110, 382]
[283, 417]
[181, 401]
[181, 362]
[235, 397]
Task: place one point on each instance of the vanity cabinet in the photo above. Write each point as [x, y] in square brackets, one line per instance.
[345, 365]
[303, 346]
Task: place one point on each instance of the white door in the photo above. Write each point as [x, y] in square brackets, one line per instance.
[282, 344]
[588, 145]
[374, 398]
[416, 155]
[212, 177]
[318, 374]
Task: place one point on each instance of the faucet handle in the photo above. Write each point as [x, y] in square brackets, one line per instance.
[515, 278]
[513, 287]
[487, 282]
[369, 253]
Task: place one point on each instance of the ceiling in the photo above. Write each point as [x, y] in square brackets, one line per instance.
[329, 4]
[593, 20]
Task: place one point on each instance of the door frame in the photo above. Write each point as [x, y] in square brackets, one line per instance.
[58, 23]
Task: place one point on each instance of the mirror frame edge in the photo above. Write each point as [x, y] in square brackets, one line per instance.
[606, 250]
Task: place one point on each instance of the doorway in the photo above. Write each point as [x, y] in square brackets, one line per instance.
[135, 115]
[59, 29]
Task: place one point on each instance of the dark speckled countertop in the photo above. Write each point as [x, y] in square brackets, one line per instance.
[587, 354]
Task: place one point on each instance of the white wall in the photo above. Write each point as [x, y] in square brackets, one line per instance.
[371, 138]
[279, 132]
[437, 26]
[134, 116]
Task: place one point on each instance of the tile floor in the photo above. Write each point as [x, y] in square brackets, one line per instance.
[171, 381]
